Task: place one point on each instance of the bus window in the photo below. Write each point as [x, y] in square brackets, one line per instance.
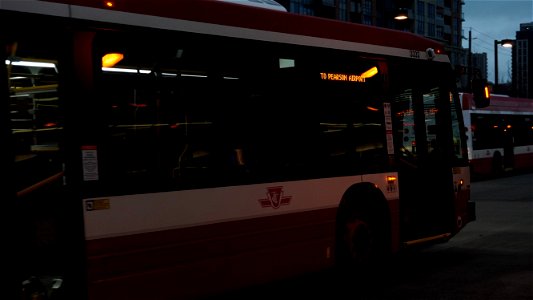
[404, 115]
[35, 119]
[460, 152]
[351, 115]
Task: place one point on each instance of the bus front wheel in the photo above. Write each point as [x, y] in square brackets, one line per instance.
[363, 232]
[358, 241]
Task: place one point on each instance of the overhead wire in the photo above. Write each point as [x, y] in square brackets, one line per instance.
[486, 45]
[489, 46]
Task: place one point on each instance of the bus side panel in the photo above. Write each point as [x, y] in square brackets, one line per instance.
[482, 166]
[202, 260]
[523, 158]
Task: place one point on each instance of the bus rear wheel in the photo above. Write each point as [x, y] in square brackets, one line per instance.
[497, 164]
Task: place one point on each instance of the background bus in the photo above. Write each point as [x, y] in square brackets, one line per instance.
[229, 146]
[500, 136]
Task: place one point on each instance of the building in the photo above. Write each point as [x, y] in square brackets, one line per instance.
[480, 64]
[522, 61]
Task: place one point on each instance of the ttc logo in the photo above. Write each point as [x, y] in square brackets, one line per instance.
[275, 198]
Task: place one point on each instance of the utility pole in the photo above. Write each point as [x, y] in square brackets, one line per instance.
[496, 64]
[470, 60]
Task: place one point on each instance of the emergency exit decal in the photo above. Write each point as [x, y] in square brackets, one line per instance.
[388, 127]
[89, 159]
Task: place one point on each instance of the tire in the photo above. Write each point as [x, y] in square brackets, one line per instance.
[358, 242]
[363, 233]
[497, 164]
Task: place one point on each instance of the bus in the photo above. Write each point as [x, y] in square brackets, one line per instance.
[499, 136]
[193, 147]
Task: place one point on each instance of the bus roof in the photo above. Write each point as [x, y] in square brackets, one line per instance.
[500, 103]
[268, 4]
[239, 16]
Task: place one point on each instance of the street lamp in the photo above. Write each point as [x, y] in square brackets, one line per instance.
[401, 14]
[506, 43]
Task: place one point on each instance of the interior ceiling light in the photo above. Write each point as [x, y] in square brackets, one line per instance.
[111, 59]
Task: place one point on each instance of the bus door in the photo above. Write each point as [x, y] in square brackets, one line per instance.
[39, 213]
[423, 141]
[508, 145]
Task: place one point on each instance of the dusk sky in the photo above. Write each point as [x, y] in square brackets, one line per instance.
[491, 20]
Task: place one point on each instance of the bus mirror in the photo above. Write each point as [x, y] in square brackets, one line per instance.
[481, 92]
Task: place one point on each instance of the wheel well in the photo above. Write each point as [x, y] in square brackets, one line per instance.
[363, 199]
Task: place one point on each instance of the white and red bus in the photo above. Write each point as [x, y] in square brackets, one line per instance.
[500, 136]
[227, 145]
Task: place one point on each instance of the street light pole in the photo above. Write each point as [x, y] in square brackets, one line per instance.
[496, 42]
[506, 43]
